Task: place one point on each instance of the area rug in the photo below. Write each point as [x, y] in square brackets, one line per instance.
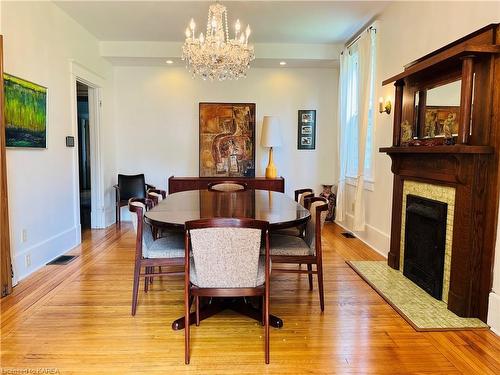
[417, 307]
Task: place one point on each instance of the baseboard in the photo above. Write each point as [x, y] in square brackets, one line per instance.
[494, 313]
[373, 237]
[45, 251]
[110, 216]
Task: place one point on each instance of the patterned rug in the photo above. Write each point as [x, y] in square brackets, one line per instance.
[417, 307]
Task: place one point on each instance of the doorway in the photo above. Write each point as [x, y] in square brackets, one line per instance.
[84, 165]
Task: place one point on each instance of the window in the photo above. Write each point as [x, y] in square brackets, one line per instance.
[352, 103]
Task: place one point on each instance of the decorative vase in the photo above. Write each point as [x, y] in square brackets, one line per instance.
[330, 196]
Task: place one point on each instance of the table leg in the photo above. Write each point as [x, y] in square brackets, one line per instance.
[241, 306]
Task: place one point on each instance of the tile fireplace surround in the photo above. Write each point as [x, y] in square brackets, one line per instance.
[445, 194]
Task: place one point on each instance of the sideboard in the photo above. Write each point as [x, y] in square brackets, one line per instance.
[177, 184]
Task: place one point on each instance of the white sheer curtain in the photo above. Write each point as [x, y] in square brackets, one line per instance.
[342, 137]
[356, 92]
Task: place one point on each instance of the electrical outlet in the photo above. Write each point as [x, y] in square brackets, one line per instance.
[27, 260]
[24, 235]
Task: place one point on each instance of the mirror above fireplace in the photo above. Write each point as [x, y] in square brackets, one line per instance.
[437, 110]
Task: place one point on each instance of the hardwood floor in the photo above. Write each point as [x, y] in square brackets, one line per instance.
[75, 319]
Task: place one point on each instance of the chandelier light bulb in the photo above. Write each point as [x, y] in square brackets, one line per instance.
[192, 24]
[248, 31]
[237, 26]
[202, 38]
[214, 23]
[188, 33]
[242, 38]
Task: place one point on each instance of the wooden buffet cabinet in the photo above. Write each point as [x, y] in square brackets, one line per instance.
[177, 184]
[468, 162]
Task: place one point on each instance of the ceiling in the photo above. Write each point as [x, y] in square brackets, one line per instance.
[271, 21]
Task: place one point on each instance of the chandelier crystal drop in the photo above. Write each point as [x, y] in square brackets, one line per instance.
[214, 55]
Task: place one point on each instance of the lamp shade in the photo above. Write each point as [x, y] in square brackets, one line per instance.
[271, 132]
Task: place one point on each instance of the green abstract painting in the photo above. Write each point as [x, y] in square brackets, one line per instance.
[25, 113]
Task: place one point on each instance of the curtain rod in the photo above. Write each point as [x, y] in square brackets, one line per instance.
[359, 36]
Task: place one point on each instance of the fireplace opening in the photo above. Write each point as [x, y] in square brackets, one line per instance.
[425, 240]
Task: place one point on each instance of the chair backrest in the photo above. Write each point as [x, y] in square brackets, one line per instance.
[227, 186]
[318, 208]
[303, 196]
[143, 231]
[132, 186]
[156, 195]
[226, 251]
[300, 194]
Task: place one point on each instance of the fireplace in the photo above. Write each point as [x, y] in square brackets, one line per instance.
[425, 239]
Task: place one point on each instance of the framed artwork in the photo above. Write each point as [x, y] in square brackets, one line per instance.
[437, 117]
[306, 139]
[25, 113]
[227, 140]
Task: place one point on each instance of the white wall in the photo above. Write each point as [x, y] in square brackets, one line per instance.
[156, 112]
[39, 41]
[407, 31]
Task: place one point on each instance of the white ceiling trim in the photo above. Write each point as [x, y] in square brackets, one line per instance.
[268, 54]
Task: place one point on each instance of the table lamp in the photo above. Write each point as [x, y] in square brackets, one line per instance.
[271, 137]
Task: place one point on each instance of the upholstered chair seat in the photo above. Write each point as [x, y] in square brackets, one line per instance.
[171, 246]
[289, 245]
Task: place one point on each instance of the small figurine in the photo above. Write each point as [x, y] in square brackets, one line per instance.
[447, 124]
[430, 123]
[406, 132]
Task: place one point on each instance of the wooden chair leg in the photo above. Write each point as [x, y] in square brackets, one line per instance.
[266, 326]
[319, 268]
[146, 280]
[135, 290]
[263, 308]
[118, 215]
[197, 302]
[186, 329]
[310, 276]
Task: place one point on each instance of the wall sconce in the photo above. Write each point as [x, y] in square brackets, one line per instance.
[384, 107]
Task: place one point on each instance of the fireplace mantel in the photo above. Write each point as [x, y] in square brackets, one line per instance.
[471, 166]
[455, 149]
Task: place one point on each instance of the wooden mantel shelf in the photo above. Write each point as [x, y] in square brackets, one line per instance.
[455, 149]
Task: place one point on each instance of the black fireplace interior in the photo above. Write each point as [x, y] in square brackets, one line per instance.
[425, 239]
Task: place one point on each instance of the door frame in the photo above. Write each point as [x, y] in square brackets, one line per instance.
[95, 84]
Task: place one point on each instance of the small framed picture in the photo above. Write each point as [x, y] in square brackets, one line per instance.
[306, 141]
[306, 129]
[306, 137]
[306, 117]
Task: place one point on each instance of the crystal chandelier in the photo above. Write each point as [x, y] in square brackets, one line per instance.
[215, 56]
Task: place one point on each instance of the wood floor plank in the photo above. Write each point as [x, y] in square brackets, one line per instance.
[76, 319]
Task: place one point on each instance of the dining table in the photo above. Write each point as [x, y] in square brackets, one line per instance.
[280, 210]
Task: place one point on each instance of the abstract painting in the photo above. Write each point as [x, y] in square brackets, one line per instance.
[227, 139]
[25, 113]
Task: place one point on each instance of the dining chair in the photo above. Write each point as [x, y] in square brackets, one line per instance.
[166, 251]
[306, 250]
[298, 231]
[129, 186]
[226, 262]
[227, 186]
[156, 195]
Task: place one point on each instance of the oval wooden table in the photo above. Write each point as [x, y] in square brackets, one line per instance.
[278, 209]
